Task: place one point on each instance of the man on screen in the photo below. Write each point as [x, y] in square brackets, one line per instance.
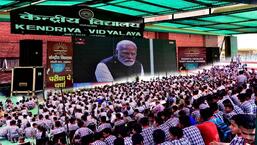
[122, 64]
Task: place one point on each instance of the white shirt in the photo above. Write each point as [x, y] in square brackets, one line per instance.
[103, 73]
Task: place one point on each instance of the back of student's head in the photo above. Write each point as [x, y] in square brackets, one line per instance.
[214, 107]
[248, 121]
[227, 102]
[137, 128]
[87, 139]
[107, 131]
[137, 139]
[158, 136]
[144, 121]
[176, 132]
[237, 119]
[242, 97]
[206, 114]
[119, 141]
[184, 121]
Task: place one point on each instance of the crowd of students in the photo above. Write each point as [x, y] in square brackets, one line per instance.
[215, 106]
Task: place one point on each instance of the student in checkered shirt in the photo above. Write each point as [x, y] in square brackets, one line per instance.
[229, 109]
[147, 132]
[245, 104]
[123, 131]
[177, 137]
[159, 137]
[247, 128]
[192, 133]
[235, 122]
[137, 139]
[159, 123]
[98, 139]
[103, 124]
[108, 137]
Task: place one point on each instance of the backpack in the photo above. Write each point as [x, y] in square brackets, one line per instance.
[223, 129]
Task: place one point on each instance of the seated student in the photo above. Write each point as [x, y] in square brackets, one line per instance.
[146, 130]
[208, 129]
[177, 138]
[191, 132]
[245, 104]
[119, 141]
[98, 140]
[108, 137]
[137, 139]
[236, 120]
[224, 130]
[159, 137]
[13, 132]
[229, 109]
[247, 128]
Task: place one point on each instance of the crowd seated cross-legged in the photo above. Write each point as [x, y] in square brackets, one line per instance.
[213, 107]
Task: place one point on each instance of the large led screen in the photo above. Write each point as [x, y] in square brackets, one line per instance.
[102, 59]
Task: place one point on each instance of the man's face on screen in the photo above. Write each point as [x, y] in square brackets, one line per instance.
[127, 55]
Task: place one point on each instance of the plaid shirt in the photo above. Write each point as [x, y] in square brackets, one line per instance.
[247, 107]
[193, 135]
[128, 141]
[166, 143]
[237, 141]
[230, 115]
[238, 110]
[83, 131]
[147, 134]
[165, 128]
[103, 126]
[255, 109]
[254, 106]
[119, 122]
[172, 122]
[182, 141]
[109, 140]
[98, 142]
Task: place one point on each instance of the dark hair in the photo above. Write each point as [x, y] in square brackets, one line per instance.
[185, 121]
[214, 107]
[87, 139]
[237, 118]
[137, 127]
[227, 103]
[176, 132]
[248, 121]
[241, 97]
[107, 130]
[144, 121]
[58, 124]
[119, 141]
[206, 113]
[80, 123]
[158, 136]
[137, 139]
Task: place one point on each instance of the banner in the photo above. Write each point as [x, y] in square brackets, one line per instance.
[191, 57]
[74, 21]
[59, 73]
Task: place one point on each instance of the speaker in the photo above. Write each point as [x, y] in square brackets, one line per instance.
[31, 53]
[32, 81]
[22, 82]
[212, 54]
